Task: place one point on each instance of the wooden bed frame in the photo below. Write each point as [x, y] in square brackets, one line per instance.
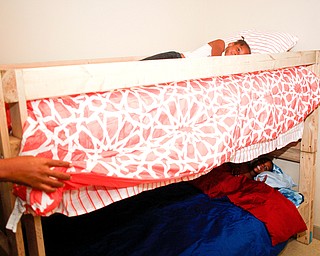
[20, 83]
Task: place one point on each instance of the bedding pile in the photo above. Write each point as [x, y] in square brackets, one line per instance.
[131, 140]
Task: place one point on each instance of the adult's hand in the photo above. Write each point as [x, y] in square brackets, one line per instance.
[35, 172]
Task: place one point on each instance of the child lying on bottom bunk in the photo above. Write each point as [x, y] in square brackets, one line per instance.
[264, 170]
[251, 169]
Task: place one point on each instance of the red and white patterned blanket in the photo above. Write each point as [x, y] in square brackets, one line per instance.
[127, 141]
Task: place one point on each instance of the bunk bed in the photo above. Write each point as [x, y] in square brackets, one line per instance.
[25, 85]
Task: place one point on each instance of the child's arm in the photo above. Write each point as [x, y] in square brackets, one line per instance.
[217, 47]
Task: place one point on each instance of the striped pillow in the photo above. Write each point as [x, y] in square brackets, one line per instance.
[266, 42]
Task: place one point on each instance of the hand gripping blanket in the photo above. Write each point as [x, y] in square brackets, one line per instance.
[131, 140]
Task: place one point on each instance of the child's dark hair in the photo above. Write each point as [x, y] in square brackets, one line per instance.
[261, 159]
[242, 42]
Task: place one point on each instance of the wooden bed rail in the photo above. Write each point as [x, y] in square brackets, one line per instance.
[20, 83]
[46, 82]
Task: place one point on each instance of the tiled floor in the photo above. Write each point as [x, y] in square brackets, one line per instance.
[294, 248]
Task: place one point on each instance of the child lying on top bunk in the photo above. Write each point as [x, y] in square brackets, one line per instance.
[213, 48]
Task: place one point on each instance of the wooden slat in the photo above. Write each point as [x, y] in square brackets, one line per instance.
[306, 187]
[9, 84]
[34, 236]
[291, 152]
[68, 62]
[14, 145]
[309, 141]
[67, 80]
[4, 133]
[18, 110]
[15, 240]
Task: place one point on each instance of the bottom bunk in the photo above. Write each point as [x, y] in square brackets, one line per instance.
[216, 214]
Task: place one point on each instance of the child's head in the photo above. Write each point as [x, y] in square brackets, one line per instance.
[262, 164]
[239, 47]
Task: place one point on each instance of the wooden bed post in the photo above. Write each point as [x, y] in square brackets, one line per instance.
[13, 242]
[309, 165]
[9, 148]
[307, 176]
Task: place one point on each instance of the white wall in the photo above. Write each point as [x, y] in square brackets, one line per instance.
[36, 30]
[39, 30]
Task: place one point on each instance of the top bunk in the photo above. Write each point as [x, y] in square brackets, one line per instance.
[26, 82]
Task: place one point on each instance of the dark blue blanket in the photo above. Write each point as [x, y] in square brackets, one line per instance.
[174, 220]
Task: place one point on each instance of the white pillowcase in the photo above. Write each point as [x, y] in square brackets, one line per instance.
[266, 42]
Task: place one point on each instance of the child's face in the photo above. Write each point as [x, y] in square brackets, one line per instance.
[262, 165]
[236, 49]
